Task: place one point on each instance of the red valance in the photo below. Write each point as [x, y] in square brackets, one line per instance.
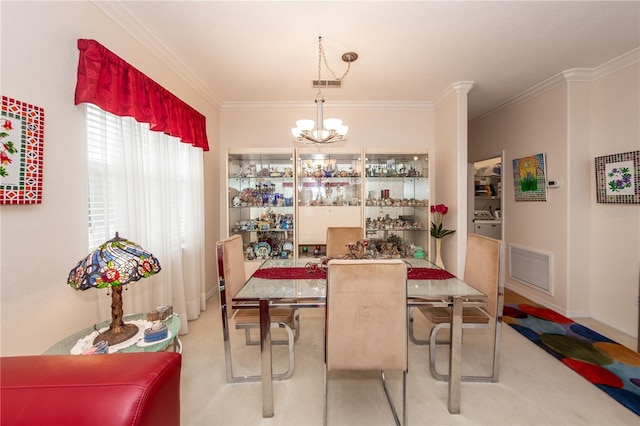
[108, 81]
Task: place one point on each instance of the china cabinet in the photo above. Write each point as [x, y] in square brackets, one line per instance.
[261, 203]
[397, 214]
[282, 207]
[329, 193]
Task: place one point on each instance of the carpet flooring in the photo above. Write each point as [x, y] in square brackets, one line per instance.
[610, 366]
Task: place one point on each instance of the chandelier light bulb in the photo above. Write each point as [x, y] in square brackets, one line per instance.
[320, 134]
[332, 123]
[305, 125]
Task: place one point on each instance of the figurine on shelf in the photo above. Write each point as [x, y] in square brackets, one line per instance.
[249, 253]
[357, 250]
[274, 172]
[419, 253]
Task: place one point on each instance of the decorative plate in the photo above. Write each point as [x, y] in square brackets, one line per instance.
[288, 246]
[262, 249]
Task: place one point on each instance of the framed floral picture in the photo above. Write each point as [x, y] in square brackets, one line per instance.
[529, 177]
[618, 178]
[21, 152]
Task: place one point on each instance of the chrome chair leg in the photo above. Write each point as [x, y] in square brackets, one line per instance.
[496, 353]
[390, 400]
[256, 378]
[256, 342]
[386, 392]
[326, 392]
[412, 336]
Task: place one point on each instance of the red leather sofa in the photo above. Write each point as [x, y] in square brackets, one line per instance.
[115, 389]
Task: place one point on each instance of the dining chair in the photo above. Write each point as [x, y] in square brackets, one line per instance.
[366, 322]
[231, 278]
[339, 236]
[484, 270]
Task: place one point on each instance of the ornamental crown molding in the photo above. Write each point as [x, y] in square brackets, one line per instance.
[571, 75]
[131, 25]
[453, 89]
[334, 105]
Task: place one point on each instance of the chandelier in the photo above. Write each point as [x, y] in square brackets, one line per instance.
[330, 130]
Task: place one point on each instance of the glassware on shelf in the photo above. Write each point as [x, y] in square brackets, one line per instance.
[261, 208]
[397, 203]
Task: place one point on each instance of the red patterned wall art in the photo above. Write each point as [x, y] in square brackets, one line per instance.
[21, 152]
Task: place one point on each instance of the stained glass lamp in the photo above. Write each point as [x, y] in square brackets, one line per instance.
[114, 264]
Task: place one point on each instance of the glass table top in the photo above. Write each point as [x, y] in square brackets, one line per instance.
[314, 288]
[173, 322]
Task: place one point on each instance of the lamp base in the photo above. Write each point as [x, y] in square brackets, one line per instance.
[117, 334]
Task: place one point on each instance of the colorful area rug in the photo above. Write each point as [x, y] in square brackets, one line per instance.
[612, 367]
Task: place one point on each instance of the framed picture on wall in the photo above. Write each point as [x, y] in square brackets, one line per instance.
[21, 152]
[618, 178]
[530, 178]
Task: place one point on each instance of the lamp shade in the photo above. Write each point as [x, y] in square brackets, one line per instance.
[116, 262]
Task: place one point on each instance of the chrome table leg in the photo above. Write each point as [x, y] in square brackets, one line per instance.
[455, 356]
[265, 354]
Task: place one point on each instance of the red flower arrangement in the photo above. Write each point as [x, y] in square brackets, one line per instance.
[438, 211]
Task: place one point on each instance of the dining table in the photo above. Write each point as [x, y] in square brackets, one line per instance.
[302, 283]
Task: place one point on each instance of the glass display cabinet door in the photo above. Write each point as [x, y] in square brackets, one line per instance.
[397, 215]
[329, 194]
[261, 204]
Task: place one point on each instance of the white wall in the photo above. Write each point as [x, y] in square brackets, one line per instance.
[615, 228]
[41, 243]
[572, 123]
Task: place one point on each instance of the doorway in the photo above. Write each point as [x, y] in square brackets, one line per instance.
[487, 184]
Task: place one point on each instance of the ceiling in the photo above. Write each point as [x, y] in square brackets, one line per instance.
[409, 52]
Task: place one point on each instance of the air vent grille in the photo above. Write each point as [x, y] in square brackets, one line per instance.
[327, 84]
[532, 267]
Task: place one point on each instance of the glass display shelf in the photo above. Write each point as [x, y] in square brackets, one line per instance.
[396, 212]
[329, 194]
[329, 179]
[261, 203]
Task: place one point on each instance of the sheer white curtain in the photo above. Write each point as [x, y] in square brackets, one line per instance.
[148, 187]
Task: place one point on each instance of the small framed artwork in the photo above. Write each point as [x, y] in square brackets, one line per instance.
[618, 178]
[21, 152]
[530, 178]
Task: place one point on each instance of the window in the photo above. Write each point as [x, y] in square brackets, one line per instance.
[148, 187]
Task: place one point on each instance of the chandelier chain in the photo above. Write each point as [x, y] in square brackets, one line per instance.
[322, 58]
[330, 130]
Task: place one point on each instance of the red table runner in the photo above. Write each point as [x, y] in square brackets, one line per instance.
[301, 273]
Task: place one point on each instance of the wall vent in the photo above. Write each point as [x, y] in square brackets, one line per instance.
[327, 84]
[531, 267]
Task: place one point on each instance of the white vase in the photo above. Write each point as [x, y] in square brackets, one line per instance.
[438, 261]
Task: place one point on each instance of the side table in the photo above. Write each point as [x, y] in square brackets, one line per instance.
[64, 346]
